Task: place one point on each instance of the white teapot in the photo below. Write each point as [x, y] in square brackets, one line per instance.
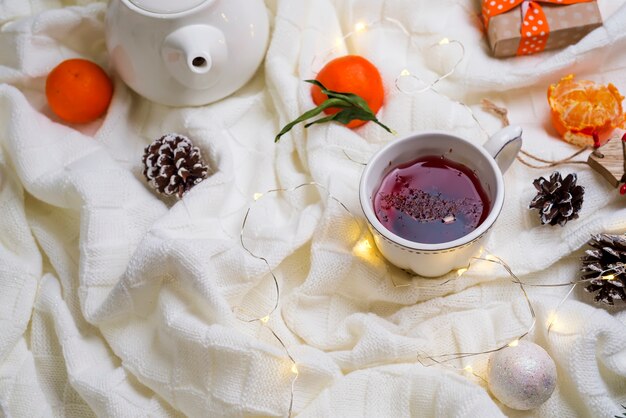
[186, 52]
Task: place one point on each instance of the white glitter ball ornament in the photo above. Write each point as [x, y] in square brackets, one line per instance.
[522, 377]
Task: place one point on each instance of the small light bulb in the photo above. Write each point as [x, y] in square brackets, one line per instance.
[265, 319]
[552, 321]
[360, 27]
[444, 41]
[609, 277]
[469, 369]
[257, 196]
[294, 369]
[363, 249]
[462, 271]
[405, 73]
[514, 343]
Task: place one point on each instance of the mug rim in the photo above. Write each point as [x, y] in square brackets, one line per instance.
[368, 208]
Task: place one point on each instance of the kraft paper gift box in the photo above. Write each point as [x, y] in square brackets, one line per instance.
[522, 27]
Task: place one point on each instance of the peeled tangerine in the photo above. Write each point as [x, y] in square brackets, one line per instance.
[583, 109]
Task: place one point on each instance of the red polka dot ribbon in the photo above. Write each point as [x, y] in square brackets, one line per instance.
[535, 27]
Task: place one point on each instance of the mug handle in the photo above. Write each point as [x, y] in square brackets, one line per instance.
[504, 146]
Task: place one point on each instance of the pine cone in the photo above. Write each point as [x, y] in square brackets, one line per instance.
[558, 200]
[173, 165]
[605, 265]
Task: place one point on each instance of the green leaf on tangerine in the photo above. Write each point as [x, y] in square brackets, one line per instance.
[352, 107]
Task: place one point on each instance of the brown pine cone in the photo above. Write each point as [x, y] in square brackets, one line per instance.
[173, 165]
[605, 265]
[558, 200]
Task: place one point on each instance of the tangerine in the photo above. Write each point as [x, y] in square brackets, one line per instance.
[583, 109]
[78, 91]
[350, 74]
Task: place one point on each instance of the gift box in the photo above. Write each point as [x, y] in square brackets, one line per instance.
[523, 27]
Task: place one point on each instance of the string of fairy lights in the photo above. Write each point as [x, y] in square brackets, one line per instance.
[264, 320]
[400, 82]
[365, 250]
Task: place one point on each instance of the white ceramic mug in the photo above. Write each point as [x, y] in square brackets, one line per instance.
[488, 162]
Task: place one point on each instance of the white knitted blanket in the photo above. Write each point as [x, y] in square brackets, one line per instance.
[114, 303]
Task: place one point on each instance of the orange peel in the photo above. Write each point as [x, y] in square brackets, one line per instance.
[583, 109]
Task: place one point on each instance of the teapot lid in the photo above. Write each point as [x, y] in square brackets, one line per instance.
[166, 6]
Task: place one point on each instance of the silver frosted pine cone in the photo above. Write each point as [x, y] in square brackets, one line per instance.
[558, 200]
[173, 165]
[605, 266]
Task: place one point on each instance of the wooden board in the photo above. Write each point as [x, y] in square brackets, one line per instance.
[610, 161]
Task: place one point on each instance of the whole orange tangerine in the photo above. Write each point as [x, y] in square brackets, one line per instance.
[78, 91]
[351, 74]
[582, 109]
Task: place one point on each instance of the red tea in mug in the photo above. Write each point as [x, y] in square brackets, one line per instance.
[431, 200]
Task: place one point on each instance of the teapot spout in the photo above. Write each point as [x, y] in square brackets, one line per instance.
[192, 55]
[199, 62]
